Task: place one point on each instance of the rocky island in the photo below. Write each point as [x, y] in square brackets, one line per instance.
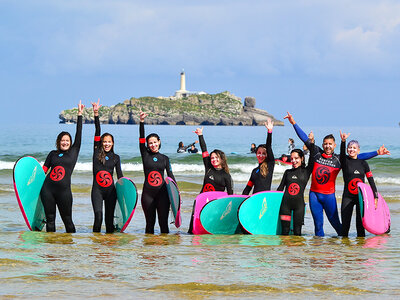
[194, 109]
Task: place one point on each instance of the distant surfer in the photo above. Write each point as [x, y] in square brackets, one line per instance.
[253, 148]
[182, 148]
[56, 190]
[103, 188]
[291, 146]
[154, 195]
[261, 177]
[193, 149]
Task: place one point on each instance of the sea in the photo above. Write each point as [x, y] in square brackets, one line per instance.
[133, 265]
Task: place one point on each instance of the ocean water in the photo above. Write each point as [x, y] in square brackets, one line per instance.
[132, 264]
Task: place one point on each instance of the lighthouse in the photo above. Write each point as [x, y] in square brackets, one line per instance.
[182, 92]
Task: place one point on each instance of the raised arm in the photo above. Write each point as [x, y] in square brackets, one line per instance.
[142, 140]
[97, 133]
[203, 146]
[342, 156]
[270, 154]
[300, 133]
[78, 134]
[381, 151]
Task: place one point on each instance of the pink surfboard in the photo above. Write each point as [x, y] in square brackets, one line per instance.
[201, 200]
[376, 221]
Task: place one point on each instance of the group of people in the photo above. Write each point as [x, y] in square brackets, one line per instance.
[323, 166]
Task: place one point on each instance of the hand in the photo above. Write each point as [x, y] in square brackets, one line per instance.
[199, 131]
[80, 108]
[96, 106]
[142, 116]
[383, 150]
[196, 142]
[376, 203]
[290, 118]
[269, 124]
[344, 136]
[311, 137]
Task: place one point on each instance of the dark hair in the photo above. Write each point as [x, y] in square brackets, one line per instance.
[301, 154]
[59, 137]
[150, 136]
[102, 154]
[328, 137]
[222, 157]
[291, 140]
[180, 144]
[263, 166]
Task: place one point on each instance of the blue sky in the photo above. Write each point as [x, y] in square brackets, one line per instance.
[330, 63]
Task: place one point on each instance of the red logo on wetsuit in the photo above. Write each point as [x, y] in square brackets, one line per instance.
[208, 188]
[322, 175]
[104, 178]
[155, 178]
[57, 173]
[352, 187]
[293, 189]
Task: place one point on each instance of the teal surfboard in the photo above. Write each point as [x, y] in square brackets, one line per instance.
[127, 196]
[175, 200]
[28, 177]
[219, 216]
[259, 214]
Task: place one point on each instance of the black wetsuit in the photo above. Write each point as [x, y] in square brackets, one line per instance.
[259, 182]
[103, 184]
[184, 148]
[294, 181]
[56, 188]
[354, 171]
[154, 194]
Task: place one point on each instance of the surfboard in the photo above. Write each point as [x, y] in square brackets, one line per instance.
[28, 178]
[127, 196]
[259, 214]
[220, 216]
[376, 221]
[175, 200]
[199, 202]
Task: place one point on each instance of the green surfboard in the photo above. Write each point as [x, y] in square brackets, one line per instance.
[28, 177]
[219, 216]
[259, 214]
[127, 196]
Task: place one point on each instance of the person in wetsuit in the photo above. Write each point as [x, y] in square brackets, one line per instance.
[325, 170]
[103, 188]
[56, 189]
[182, 148]
[154, 194]
[261, 177]
[354, 171]
[294, 182]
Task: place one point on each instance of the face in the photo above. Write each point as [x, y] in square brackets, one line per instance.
[65, 143]
[353, 150]
[329, 146]
[261, 154]
[107, 143]
[216, 161]
[154, 144]
[296, 160]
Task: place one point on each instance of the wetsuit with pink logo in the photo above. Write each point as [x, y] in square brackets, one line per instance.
[322, 191]
[56, 190]
[154, 195]
[354, 171]
[103, 183]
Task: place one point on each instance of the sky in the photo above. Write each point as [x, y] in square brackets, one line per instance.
[330, 63]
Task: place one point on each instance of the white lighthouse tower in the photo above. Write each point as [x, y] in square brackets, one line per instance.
[182, 92]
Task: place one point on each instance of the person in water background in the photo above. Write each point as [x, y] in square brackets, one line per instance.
[154, 195]
[193, 149]
[291, 145]
[103, 188]
[182, 148]
[59, 164]
[261, 177]
[253, 148]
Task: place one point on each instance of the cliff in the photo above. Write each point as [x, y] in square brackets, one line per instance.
[206, 109]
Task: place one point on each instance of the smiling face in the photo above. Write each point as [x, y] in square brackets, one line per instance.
[329, 146]
[107, 143]
[154, 144]
[353, 150]
[215, 161]
[65, 142]
[261, 154]
[296, 160]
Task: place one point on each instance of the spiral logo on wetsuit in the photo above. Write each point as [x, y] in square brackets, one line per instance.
[322, 175]
[155, 178]
[104, 178]
[208, 188]
[57, 173]
[352, 187]
[293, 189]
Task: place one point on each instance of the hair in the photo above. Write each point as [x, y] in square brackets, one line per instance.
[291, 140]
[263, 166]
[252, 144]
[150, 136]
[102, 154]
[180, 144]
[59, 137]
[222, 157]
[301, 154]
[329, 136]
[353, 142]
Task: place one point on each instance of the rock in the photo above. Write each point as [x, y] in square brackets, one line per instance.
[250, 102]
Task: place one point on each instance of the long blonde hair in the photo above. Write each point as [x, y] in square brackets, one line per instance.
[263, 166]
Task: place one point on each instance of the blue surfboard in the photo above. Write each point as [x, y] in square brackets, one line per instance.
[28, 177]
[175, 200]
[127, 196]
